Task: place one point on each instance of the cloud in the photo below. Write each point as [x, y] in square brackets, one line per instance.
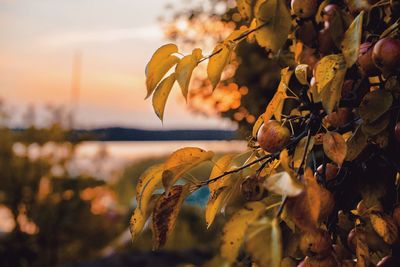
[150, 32]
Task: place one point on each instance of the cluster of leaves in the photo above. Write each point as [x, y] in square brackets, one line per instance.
[318, 185]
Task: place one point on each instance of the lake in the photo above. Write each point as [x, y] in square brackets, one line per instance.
[106, 159]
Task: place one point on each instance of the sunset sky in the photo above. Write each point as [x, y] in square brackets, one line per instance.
[116, 38]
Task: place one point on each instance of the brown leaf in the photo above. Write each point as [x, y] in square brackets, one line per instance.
[166, 212]
[335, 147]
[304, 209]
[374, 105]
[362, 250]
[356, 144]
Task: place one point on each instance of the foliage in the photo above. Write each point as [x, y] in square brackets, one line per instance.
[336, 179]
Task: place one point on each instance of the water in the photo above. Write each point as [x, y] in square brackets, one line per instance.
[105, 159]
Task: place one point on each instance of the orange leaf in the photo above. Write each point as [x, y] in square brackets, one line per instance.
[335, 147]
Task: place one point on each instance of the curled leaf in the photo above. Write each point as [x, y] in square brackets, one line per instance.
[335, 147]
[301, 73]
[283, 184]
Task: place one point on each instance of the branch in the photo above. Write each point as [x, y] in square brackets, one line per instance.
[237, 39]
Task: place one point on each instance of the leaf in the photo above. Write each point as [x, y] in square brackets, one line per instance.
[235, 229]
[283, 184]
[329, 75]
[301, 73]
[377, 126]
[257, 126]
[181, 161]
[356, 144]
[352, 40]
[362, 250]
[335, 147]
[278, 22]
[264, 242]
[304, 209]
[300, 150]
[148, 182]
[244, 8]
[216, 64]
[184, 70]
[385, 227]
[139, 217]
[338, 25]
[161, 94]
[275, 106]
[375, 104]
[166, 212]
[327, 69]
[161, 53]
[159, 64]
[218, 189]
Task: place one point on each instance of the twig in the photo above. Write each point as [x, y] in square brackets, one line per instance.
[239, 38]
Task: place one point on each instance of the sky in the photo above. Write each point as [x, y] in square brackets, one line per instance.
[116, 38]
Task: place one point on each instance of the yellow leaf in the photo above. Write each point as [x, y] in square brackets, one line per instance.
[264, 242]
[335, 147]
[331, 73]
[235, 229]
[158, 72]
[300, 150]
[181, 161]
[244, 8]
[216, 64]
[166, 212]
[236, 34]
[161, 53]
[140, 217]
[385, 227]
[284, 184]
[185, 68]
[278, 22]
[301, 73]
[148, 182]
[352, 40]
[220, 189]
[161, 94]
[257, 125]
[327, 69]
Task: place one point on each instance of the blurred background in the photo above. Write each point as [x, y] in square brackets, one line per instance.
[76, 132]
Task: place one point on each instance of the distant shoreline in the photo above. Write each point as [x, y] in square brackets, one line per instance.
[134, 134]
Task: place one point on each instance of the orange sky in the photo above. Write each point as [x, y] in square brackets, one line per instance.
[116, 39]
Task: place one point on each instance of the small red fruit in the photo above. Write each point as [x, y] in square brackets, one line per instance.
[272, 136]
[396, 216]
[386, 55]
[306, 33]
[328, 13]
[365, 62]
[326, 45]
[316, 243]
[331, 171]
